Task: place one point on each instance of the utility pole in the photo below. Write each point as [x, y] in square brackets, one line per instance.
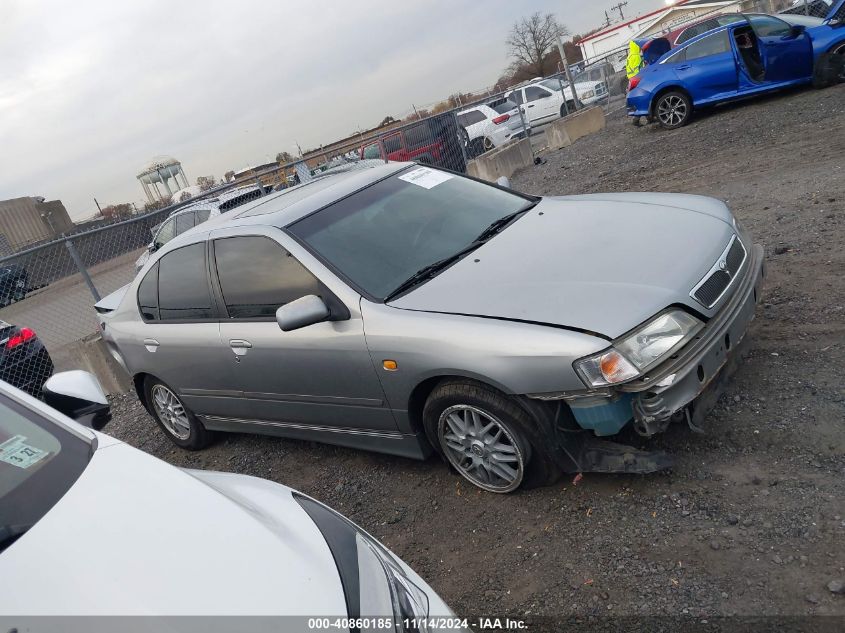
[619, 7]
[607, 19]
[98, 206]
[415, 112]
[575, 101]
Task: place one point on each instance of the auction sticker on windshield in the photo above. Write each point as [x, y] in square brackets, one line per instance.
[17, 452]
[425, 177]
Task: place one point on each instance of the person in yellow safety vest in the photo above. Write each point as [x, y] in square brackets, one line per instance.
[635, 59]
[633, 65]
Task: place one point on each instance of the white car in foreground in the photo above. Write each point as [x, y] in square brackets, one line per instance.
[542, 100]
[91, 526]
[492, 124]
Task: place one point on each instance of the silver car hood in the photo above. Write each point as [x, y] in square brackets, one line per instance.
[600, 263]
[136, 536]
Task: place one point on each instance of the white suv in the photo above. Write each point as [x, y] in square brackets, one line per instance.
[542, 100]
[491, 125]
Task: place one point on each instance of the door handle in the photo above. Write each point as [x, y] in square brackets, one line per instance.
[530, 105]
[684, 67]
[151, 344]
[239, 346]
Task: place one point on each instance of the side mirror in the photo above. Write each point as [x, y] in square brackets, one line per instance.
[151, 247]
[78, 395]
[797, 30]
[503, 181]
[302, 312]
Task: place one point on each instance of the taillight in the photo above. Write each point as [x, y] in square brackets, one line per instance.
[633, 82]
[20, 338]
[501, 118]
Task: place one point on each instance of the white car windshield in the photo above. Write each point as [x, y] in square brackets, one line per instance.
[39, 461]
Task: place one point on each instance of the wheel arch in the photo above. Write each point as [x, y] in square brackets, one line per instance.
[419, 394]
[138, 381]
[669, 88]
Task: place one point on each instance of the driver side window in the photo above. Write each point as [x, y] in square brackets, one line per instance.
[767, 26]
[166, 233]
[257, 276]
[534, 93]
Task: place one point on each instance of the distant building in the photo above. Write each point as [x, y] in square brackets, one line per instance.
[616, 36]
[158, 172]
[271, 174]
[29, 220]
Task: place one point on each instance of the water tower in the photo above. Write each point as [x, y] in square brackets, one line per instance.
[158, 172]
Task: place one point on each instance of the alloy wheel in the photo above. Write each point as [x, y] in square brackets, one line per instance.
[171, 412]
[481, 448]
[671, 110]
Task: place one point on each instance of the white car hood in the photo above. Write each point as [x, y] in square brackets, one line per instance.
[136, 536]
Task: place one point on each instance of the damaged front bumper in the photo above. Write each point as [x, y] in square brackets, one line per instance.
[688, 385]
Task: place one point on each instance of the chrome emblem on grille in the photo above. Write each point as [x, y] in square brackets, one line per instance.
[723, 265]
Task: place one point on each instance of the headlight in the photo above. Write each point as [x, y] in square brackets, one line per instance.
[589, 94]
[374, 583]
[646, 346]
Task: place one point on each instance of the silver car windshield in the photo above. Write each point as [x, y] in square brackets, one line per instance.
[379, 237]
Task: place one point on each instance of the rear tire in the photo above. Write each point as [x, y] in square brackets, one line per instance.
[486, 437]
[673, 110]
[175, 419]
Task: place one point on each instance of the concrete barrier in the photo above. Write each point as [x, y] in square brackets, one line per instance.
[502, 161]
[91, 354]
[569, 129]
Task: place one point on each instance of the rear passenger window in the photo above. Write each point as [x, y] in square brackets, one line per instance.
[392, 144]
[183, 285]
[710, 45]
[417, 136]
[257, 276]
[148, 295]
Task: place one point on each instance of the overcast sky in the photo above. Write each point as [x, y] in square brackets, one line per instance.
[91, 91]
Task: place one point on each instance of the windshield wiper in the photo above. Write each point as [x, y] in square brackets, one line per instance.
[11, 533]
[427, 272]
[497, 225]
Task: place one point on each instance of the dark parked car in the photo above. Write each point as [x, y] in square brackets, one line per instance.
[434, 141]
[14, 282]
[24, 361]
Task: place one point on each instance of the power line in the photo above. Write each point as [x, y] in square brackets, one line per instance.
[619, 7]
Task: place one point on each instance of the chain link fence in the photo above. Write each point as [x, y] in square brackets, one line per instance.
[47, 291]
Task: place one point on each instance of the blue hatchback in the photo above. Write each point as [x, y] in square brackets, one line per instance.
[743, 59]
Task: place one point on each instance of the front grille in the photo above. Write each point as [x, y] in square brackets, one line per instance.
[716, 282]
[736, 254]
[712, 288]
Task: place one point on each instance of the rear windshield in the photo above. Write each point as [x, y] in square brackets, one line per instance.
[39, 462]
[380, 236]
[503, 106]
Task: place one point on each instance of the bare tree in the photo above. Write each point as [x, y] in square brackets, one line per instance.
[229, 176]
[532, 38]
[284, 158]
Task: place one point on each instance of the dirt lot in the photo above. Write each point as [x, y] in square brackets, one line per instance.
[752, 519]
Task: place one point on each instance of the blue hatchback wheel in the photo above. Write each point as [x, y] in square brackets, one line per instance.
[673, 110]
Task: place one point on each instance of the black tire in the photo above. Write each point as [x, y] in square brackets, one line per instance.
[195, 436]
[475, 148]
[673, 109]
[571, 105]
[830, 68]
[534, 464]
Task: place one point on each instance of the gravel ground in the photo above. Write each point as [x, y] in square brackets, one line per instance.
[752, 519]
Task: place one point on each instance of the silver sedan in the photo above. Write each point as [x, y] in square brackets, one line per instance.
[407, 309]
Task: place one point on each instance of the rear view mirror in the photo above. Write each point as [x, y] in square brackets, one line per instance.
[302, 312]
[78, 395]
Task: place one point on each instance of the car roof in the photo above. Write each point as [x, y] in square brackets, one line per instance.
[283, 208]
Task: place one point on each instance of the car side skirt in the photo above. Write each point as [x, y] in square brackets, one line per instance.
[414, 446]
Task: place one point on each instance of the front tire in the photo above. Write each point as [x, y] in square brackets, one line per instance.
[483, 434]
[175, 419]
[673, 110]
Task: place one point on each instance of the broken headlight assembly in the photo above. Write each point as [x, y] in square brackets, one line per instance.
[639, 350]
